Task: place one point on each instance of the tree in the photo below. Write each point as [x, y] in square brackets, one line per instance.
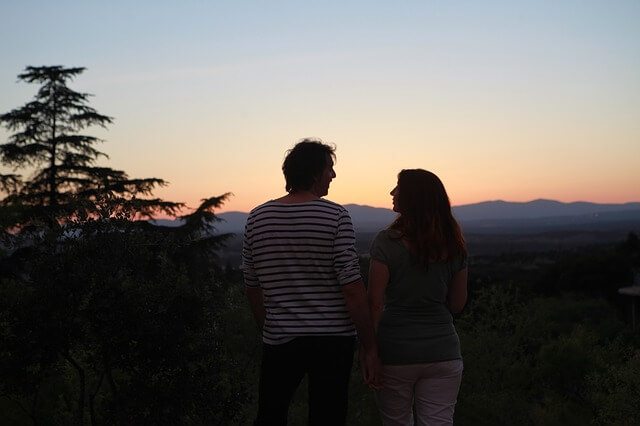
[103, 317]
[66, 182]
[118, 326]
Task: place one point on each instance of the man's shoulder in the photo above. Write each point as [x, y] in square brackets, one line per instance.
[261, 208]
[322, 203]
[333, 205]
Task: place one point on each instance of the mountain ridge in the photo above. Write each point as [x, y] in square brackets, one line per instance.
[538, 208]
[487, 216]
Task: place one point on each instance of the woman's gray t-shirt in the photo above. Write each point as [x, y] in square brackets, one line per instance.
[416, 325]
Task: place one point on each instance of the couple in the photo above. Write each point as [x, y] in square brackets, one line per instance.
[304, 288]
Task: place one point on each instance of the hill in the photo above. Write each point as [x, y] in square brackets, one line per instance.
[491, 227]
[491, 210]
[493, 217]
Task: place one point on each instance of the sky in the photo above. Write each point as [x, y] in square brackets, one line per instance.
[504, 100]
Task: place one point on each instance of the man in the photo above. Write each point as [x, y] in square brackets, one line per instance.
[304, 287]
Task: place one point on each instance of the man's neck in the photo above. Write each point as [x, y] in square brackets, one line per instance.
[298, 197]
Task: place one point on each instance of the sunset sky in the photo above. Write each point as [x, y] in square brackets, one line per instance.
[511, 100]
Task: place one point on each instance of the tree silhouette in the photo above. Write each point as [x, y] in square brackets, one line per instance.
[103, 318]
[66, 182]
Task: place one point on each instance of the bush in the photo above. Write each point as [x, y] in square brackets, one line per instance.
[537, 360]
[116, 325]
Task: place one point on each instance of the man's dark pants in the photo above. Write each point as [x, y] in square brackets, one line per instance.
[326, 360]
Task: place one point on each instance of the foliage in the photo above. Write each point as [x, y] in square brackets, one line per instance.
[103, 318]
[615, 392]
[541, 360]
[124, 317]
[531, 358]
[66, 183]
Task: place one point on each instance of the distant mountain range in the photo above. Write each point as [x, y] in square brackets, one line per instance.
[491, 217]
[535, 209]
[498, 217]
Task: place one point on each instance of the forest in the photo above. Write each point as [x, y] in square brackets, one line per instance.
[106, 318]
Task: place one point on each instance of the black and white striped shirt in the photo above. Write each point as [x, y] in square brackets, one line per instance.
[300, 255]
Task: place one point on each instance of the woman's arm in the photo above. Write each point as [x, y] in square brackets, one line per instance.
[457, 296]
[378, 279]
[355, 297]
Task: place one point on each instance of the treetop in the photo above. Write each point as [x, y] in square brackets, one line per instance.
[56, 73]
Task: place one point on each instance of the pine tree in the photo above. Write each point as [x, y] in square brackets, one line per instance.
[66, 182]
[114, 319]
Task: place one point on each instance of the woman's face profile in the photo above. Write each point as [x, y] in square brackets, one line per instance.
[394, 194]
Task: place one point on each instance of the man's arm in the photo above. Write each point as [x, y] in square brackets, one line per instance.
[256, 303]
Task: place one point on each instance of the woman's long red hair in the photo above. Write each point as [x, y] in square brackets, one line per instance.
[425, 220]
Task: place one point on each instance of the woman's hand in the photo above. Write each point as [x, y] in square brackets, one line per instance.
[371, 367]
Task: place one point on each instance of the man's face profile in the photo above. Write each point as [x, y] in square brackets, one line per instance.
[322, 182]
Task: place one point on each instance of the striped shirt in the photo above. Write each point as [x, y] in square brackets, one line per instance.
[300, 255]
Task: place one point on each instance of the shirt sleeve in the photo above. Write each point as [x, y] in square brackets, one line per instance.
[457, 264]
[461, 263]
[464, 262]
[345, 258]
[377, 250]
[250, 276]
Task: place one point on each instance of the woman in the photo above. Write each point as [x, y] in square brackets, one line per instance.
[417, 278]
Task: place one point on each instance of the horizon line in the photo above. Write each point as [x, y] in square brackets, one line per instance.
[459, 205]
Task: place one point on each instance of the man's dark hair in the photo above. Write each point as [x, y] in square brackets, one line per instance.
[304, 162]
